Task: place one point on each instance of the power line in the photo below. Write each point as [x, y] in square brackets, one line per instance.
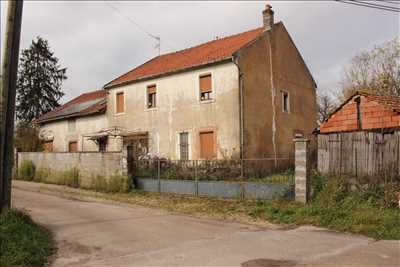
[157, 38]
[392, 2]
[370, 5]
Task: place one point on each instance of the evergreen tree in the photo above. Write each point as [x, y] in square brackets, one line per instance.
[39, 81]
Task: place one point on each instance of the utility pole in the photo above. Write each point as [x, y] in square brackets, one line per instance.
[7, 98]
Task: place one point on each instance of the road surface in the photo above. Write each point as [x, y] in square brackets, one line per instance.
[92, 233]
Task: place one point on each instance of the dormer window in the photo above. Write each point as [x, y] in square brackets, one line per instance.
[151, 96]
[205, 87]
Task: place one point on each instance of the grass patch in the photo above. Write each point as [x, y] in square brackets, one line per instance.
[22, 242]
[334, 207]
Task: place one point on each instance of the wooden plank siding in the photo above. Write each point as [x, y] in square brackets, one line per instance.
[360, 153]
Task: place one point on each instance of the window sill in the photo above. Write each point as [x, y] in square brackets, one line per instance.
[119, 114]
[207, 101]
[151, 109]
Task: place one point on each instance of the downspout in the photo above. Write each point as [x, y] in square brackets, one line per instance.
[272, 99]
[241, 120]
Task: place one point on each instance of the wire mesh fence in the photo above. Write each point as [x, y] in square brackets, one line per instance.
[278, 170]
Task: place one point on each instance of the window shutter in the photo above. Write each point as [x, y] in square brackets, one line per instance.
[151, 89]
[207, 145]
[48, 146]
[120, 102]
[73, 147]
[205, 83]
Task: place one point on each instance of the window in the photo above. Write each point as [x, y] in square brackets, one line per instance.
[120, 102]
[102, 144]
[207, 145]
[71, 125]
[48, 146]
[73, 146]
[205, 87]
[151, 96]
[184, 146]
[285, 102]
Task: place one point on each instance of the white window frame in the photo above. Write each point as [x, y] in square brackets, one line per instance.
[213, 91]
[178, 144]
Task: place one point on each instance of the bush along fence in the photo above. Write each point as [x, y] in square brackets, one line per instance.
[248, 178]
[217, 178]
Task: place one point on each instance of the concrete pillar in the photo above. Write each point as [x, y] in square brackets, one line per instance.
[301, 169]
[124, 160]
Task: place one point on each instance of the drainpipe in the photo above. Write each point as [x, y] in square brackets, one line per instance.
[241, 119]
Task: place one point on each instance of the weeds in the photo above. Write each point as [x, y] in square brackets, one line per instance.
[114, 184]
[26, 171]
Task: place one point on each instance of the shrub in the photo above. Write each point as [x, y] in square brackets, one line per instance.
[41, 175]
[71, 178]
[26, 171]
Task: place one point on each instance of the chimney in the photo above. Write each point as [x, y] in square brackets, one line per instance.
[268, 18]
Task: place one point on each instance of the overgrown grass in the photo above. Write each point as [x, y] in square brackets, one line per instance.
[22, 242]
[26, 171]
[336, 207]
[112, 184]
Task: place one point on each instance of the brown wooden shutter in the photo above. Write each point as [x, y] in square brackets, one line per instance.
[207, 145]
[48, 146]
[151, 89]
[120, 102]
[205, 84]
[72, 146]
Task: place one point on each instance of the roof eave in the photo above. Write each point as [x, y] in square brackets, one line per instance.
[74, 115]
[150, 77]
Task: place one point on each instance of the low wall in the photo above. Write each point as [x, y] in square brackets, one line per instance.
[89, 164]
[217, 188]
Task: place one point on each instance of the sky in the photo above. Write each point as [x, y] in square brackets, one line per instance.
[100, 40]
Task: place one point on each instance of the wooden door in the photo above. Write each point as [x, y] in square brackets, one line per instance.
[207, 145]
[73, 146]
[48, 146]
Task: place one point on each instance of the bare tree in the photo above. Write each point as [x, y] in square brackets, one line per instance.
[325, 106]
[376, 71]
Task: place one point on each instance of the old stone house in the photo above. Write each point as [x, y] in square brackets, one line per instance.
[246, 95]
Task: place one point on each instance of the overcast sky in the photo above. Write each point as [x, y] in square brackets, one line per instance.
[98, 42]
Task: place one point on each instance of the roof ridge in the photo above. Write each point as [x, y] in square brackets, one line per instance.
[211, 41]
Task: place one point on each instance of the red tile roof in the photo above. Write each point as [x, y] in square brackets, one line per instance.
[377, 112]
[83, 105]
[209, 52]
[389, 101]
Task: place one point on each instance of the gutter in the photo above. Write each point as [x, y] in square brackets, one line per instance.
[241, 119]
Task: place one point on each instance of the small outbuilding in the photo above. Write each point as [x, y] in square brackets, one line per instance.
[362, 137]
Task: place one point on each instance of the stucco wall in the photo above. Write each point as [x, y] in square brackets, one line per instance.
[89, 164]
[179, 109]
[83, 126]
[290, 75]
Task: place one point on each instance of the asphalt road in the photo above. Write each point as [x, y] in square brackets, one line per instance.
[91, 233]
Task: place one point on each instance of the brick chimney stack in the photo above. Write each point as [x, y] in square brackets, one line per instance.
[268, 18]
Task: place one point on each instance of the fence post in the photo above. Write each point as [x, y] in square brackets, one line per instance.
[196, 180]
[158, 176]
[301, 170]
[241, 168]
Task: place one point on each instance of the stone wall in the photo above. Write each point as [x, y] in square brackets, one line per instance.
[89, 164]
